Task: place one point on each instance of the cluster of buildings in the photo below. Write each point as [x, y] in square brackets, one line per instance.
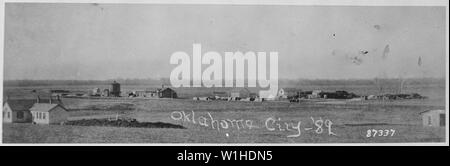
[37, 111]
[400, 96]
[243, 94]
[114, 91]
[294, 95]
[314, 94]
[234, 94]
[156, 93]
[52, 111]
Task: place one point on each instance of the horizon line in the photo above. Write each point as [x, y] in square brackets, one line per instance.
[109, 79]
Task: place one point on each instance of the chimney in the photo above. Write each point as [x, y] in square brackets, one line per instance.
[162, 86]
[38, 99]
[50, 100]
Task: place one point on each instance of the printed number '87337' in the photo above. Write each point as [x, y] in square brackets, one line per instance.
[380, 133]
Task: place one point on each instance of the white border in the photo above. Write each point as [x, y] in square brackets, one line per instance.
[260, 2]
[243, 2]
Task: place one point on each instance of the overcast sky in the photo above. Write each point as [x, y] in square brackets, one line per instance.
[101, 41]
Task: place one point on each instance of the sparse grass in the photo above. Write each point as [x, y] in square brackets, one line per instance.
[403, 116]
[409, 130]
[28, 133]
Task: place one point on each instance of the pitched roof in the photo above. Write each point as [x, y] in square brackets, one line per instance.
[26, 104]
[43, 107]
[54, 101]
[438, 111]
[167, 89]
[20, 105]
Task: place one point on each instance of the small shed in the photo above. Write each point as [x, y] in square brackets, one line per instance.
[96, 91]
[281, 93]
[220, 94]
[105, 93]
[288, 92]
[240, 92]
[168, 93]
[433, 118]
[253, 95]
[48, 113]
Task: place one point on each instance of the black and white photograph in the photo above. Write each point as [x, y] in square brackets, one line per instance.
[224, 73]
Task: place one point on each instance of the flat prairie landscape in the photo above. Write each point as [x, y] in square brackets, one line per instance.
[309, 121]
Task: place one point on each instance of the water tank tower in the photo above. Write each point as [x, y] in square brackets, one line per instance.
[115, 89]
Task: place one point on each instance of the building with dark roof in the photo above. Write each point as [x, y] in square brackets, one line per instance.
[168, 93]
[115, 89]
[17, 111]
[157, 93]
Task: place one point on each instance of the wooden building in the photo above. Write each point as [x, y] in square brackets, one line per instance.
[433, 118]
[17, 111]
[21, 110]
[48, 113]
[168, 93]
